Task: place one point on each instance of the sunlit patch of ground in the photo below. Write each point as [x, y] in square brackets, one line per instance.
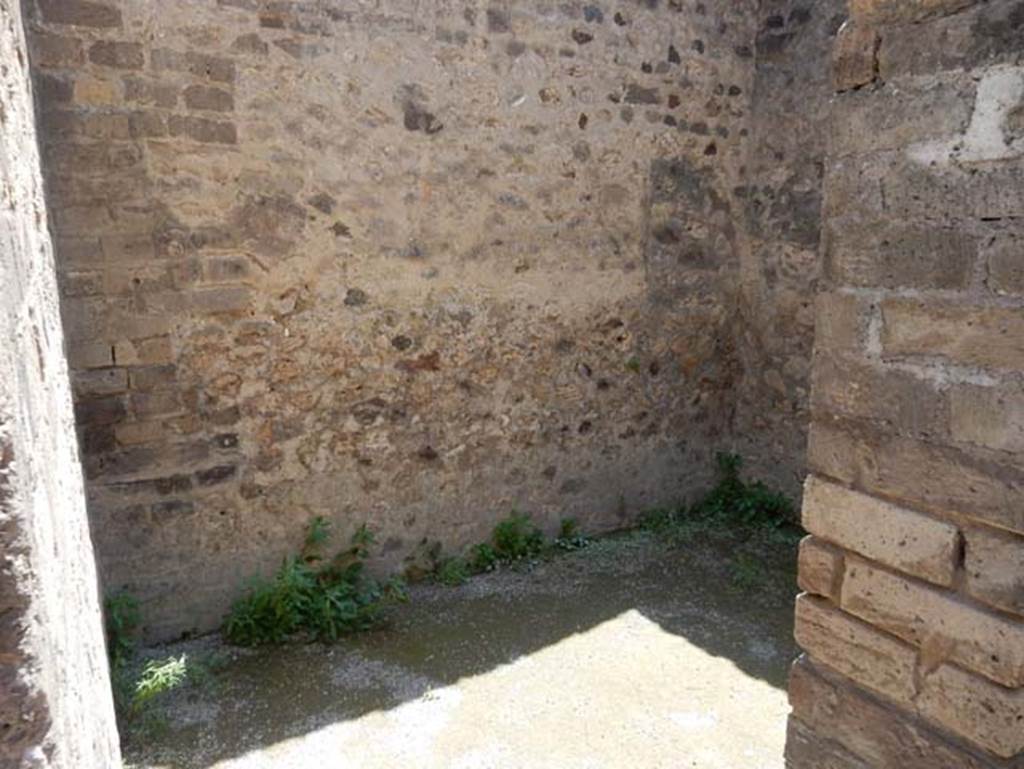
[627, 654]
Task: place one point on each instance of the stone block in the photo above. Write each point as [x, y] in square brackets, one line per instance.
[80, 13]
[868, 656]
[836, 710]
[943, 625]
[148, 378]
[202, 66]
[1006, 267]
[992, 417]
[986, 34]
[147, 125]
[984, 713]
[91, 92]
[840, 322]
[972, 335]
[854, 56]
[144, 352]
[201, 97]
[83, 355]
[56, 51]
[904, 11]
[146, 405]
[149, 93]
[903, 539]
[221, 299]
[100, 381]
[135, 433]
[891, 118]
[923, 475]
[892, 255]
[110, 53]
[202, 130]
[99, 411]
[994, 564]
[820, 568]
[897, 400]
[63, 124]
[806, 749]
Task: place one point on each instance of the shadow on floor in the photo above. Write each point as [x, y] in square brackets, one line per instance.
[607, 617]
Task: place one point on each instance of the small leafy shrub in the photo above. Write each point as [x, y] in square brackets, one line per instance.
[735, 500]
[484, 558]
[453, 571]
[322, 598]
[157, 677]
[135, 690]
[516, 537]
[732, 506]
[570, 537]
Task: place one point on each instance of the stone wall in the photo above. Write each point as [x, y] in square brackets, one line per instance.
[55, 705]
[408, 263]
[913, 616]
[779, 215]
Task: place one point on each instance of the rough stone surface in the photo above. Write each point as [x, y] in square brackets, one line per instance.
[914, 543]
[991, 715]
[994, 565]
[781, 203]
[870, 657]
[943, 626]
[844, 716]
[55, 705]
[820, 568]
[915, 437]
[855, 56]
[498, 271]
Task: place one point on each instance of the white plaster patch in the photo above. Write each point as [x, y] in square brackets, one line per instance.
[1000, 91]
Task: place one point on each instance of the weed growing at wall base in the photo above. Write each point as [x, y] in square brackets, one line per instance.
[136, 691]
[312, 595]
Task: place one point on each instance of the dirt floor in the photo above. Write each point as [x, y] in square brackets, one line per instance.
[630, 653]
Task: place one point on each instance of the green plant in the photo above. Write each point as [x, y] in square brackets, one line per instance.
[483, 558]
[746, 503]
[570, 537]
[324, 598]
[453, 571]
[516, 537]
[121, 611]
[157, 677]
